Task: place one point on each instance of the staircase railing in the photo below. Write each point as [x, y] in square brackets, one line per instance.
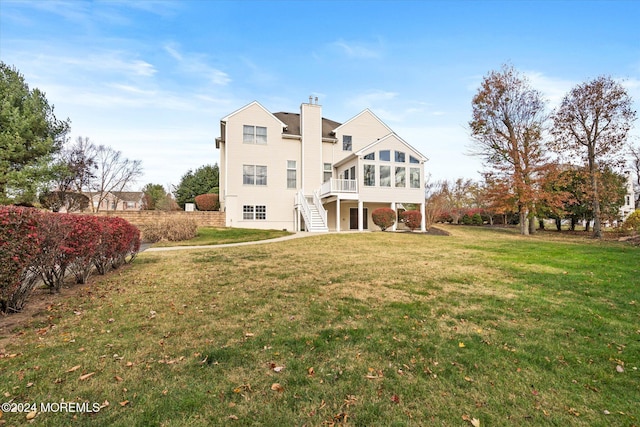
[303, 205]
[321, 210]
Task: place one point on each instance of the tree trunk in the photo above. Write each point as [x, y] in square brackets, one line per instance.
[524, 228]
[541, 224]
[532, 225]
[559, 224]
[597, 226]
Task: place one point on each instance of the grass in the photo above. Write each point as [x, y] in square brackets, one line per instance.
[385, 329]
[218, 236]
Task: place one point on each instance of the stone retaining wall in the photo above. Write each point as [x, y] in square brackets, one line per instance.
[138, 218]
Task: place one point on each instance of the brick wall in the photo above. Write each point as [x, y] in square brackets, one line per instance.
[138, 218]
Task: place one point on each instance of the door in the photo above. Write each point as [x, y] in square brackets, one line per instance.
[353, 219]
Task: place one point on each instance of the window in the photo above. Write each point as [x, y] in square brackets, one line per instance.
[400, 177]
[346, 143]
[254, 134]
[413, 160]
[328, 172]
[414, 177]
[628, 200]
[254, 175]
[369, 175]
[370, 156]
[131, 205]
[247, 212]
[385, 155]
[291, 174]
[258, 212]
[399, 157]
[385, 176]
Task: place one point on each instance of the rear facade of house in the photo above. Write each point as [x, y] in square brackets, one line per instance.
[300, 171]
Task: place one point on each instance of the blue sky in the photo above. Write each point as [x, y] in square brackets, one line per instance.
[152, 78]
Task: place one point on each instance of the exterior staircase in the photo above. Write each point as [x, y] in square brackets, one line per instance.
[313, 213]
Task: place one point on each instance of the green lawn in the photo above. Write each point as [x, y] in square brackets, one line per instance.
[370, 329]
[218, 236]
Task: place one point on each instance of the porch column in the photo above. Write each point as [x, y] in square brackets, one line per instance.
[395, 224]
[338, 214]
[423, 221]
[360, 211]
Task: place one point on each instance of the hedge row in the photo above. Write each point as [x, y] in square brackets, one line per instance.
[36, 245]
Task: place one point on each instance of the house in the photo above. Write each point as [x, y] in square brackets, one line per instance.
[305, 172]
[629, 199]
[115, 201]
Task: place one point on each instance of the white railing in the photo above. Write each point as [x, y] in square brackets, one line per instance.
[321, 209]
[302, 204]
[339, 186]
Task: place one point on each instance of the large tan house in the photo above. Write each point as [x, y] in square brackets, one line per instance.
[304, 172]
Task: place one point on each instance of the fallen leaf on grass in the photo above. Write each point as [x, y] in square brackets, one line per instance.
[31, 415]
[395, 399]
[233, 417]
[311, 372]
[277, 387]
[473, 421]
[278, 368]
[75, 368]
[461, 344]
[619, 369]
[86, 376]
[124, 403]
[117, 378]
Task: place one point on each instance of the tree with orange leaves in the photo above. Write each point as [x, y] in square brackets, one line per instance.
[507, 124]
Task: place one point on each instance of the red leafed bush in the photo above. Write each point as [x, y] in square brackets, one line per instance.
[207, 202]
[411, 219]
[384, 217]
[19, 244]
[43, 246]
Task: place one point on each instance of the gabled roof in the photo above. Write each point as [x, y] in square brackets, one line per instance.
[365, 111]
[292, 122]
[254, 103]
[366, 148]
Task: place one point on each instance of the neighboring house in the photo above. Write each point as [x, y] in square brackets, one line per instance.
[630, 198]
[116, 201]
[304, 172]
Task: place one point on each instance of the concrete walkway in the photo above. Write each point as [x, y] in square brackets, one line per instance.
[227, 245]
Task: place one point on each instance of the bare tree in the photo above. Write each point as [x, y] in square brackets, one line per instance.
[507, 125]
[435, 201]
[593, 122]
[113, 173]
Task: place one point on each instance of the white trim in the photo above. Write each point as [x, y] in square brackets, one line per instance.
[366, 110]
[421, 156]
[226, 118]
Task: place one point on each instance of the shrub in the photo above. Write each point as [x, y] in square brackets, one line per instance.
[476, 219]
[19, 244]
[207, 202]
[38, 245]
[384, 217]
[466, 219]
[632, 223]
[173, 230]
[411, 219]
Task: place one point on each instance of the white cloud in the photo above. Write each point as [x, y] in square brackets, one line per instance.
[358, 50]
[196, 64]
